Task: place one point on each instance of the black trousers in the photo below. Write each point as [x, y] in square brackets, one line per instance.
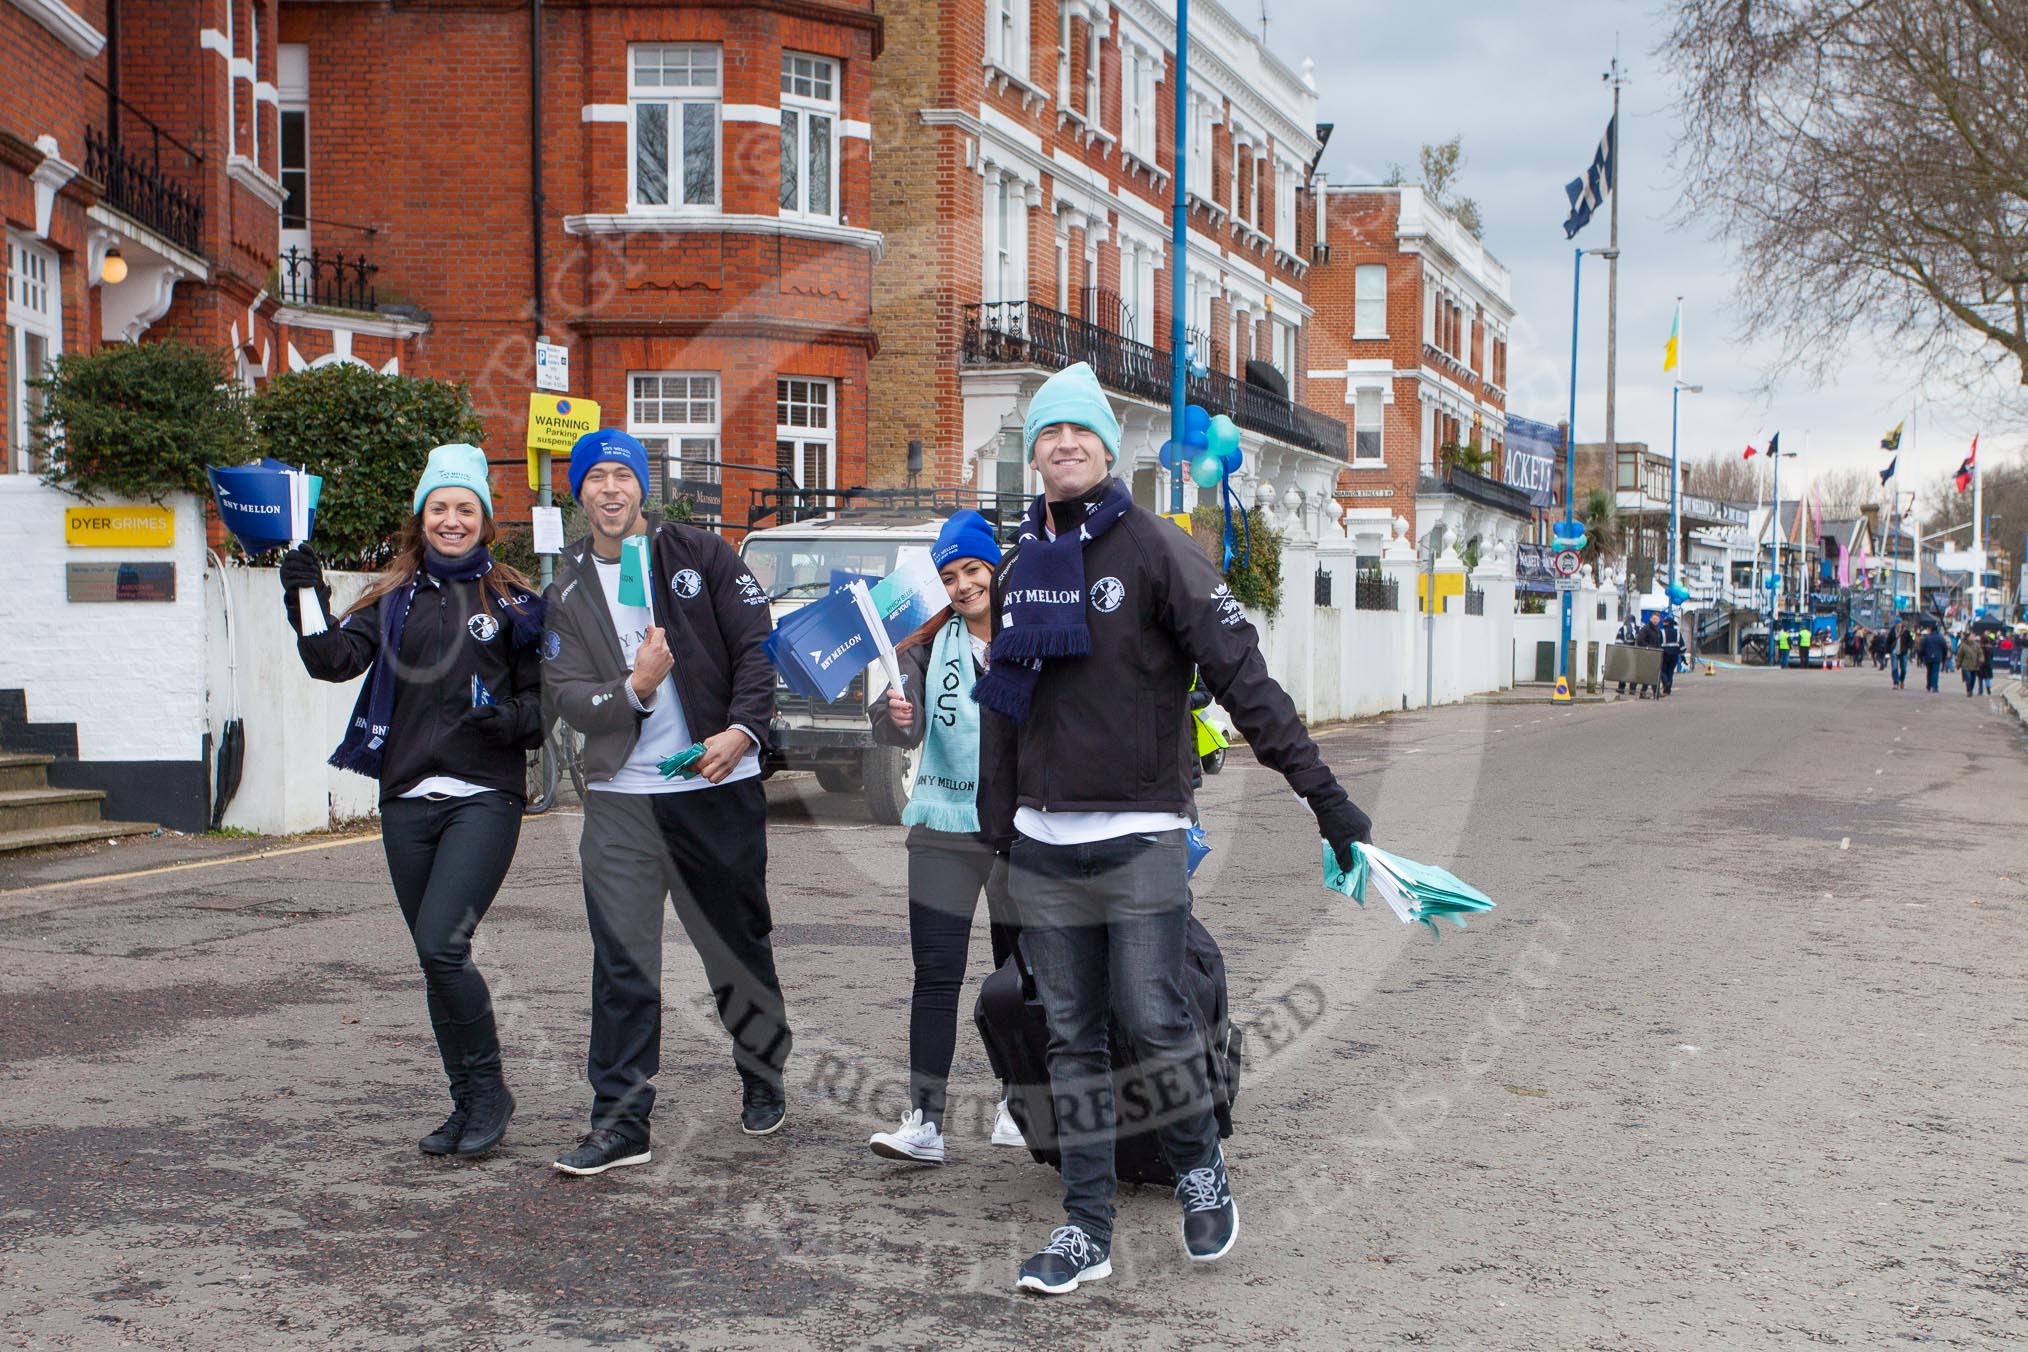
[707, 851]
[447, 857]
[946, 873]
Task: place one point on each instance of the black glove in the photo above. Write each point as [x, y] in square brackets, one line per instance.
[1340, 821]
[302, 569]
[492, 722]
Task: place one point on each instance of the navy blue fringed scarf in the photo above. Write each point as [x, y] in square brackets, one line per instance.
[1042, 605]
[366, 735]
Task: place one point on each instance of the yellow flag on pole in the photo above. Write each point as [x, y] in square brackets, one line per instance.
[1675, 336]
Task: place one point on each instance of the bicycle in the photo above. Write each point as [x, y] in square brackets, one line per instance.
[547, 764]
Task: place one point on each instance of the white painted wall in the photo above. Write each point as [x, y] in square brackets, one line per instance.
[130, 674]
[292, 722]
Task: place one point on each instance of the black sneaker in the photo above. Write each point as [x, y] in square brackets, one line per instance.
[600, 1150]
[1071, 1256]
[444, 1139]
[1210, 1216]
[762, 1105]
[486, 1126]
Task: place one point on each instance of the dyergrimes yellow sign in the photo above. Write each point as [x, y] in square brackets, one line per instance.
[555, 422]
[119, 527]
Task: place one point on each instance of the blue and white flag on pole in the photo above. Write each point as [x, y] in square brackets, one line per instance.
[821, 647]
[1588, 193]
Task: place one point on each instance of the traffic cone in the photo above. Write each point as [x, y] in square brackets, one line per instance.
[1710, 670]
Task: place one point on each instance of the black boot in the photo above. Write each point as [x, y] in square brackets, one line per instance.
[492, 1105]
[762, 1102]
[451, 1046]
[445, 1139]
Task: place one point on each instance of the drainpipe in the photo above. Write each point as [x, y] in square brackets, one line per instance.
[535, 203]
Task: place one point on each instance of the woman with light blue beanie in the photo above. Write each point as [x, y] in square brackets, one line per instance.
[949, 860]
[449, 641]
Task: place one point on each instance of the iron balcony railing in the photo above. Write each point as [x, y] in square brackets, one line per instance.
[329, 280]
[1017, 332]
[137, 187]
[1475, 601]
[1371, 590]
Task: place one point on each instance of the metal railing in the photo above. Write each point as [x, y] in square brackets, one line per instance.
[1475, 601]
[787, 504]
[138, 188]
[1371, 590]
[329, 280]
[1007, 332]
[1322, 586]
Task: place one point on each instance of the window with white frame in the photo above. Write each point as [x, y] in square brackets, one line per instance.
[673, 93]
[1369, 300]
[1284, 338]
[675, 416]
[1369, 428]
[1285, 206]
[292, 70]
[1093, 109]
[1139, 73]
[1062, 269]
[34, 338]
[1063, 54]
[1006, 260]
[1007, 35]
[1200, 148]
[806, 438]
[809, 136]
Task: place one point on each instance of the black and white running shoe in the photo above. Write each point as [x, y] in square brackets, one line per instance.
[1071, 1256]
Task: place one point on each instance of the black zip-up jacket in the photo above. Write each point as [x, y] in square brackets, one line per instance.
[1111, 732]
[449, 638]
[715, 617]
[914, 663]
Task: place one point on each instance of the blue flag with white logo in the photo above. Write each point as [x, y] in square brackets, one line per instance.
[820, 648]
[266, 506]
[1588, 193]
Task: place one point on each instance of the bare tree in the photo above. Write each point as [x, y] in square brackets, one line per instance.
[1441, 164]
[1728, 478]
[1869, 161]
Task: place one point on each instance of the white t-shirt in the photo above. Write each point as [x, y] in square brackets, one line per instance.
[664, 732]
[449, 786]
[1083, 828]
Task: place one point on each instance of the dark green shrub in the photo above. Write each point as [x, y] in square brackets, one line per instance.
[140, 421]
[1257, 580]
[368, 434]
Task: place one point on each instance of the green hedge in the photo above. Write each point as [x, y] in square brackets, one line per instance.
[140, 421]
[1258, 581]
[368, 434]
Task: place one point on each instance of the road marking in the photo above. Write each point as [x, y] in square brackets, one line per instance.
[1845, 843]
[194, 863]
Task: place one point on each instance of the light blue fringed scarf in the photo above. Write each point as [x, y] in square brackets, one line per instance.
[945, 796]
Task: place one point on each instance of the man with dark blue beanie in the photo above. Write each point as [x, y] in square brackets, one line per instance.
[654, 647]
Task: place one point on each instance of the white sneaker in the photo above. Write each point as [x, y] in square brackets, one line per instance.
[1005, 1132]
[914, 1140]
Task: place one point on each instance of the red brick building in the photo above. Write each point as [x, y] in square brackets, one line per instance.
[688, 215]
[141, 161]
[1023, 184]
[1411, 331]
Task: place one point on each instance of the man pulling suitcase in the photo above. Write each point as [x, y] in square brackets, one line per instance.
[1101, 609]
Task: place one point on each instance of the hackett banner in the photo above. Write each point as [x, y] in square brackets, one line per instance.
[1532, 448]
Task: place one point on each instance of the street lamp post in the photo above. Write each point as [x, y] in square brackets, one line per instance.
[1675, 475]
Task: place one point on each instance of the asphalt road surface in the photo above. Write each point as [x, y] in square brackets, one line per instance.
[1739, 1062]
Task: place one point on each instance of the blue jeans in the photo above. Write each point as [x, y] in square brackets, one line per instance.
[1104, 927]
[1900, 668]
[1932, 668]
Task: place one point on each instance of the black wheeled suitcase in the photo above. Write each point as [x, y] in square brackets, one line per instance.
[1016, 1033]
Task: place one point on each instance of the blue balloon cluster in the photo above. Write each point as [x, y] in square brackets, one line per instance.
[1567, 535]
[1210, 447]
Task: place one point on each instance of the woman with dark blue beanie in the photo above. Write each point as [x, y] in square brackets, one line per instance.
[949, 859]
[449, 640]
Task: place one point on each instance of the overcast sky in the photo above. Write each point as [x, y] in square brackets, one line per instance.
[1521, 80]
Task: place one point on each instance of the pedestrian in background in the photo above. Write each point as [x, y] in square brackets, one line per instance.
[1970, 654]
[950, 859]
[1902, 643]
[448, 639]
[648, 670]
[1630, 636]
[1672, 652]
[1932, 651]
[1783, 637]
[1804, 635]
[1987, 646]
[1649, 636]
